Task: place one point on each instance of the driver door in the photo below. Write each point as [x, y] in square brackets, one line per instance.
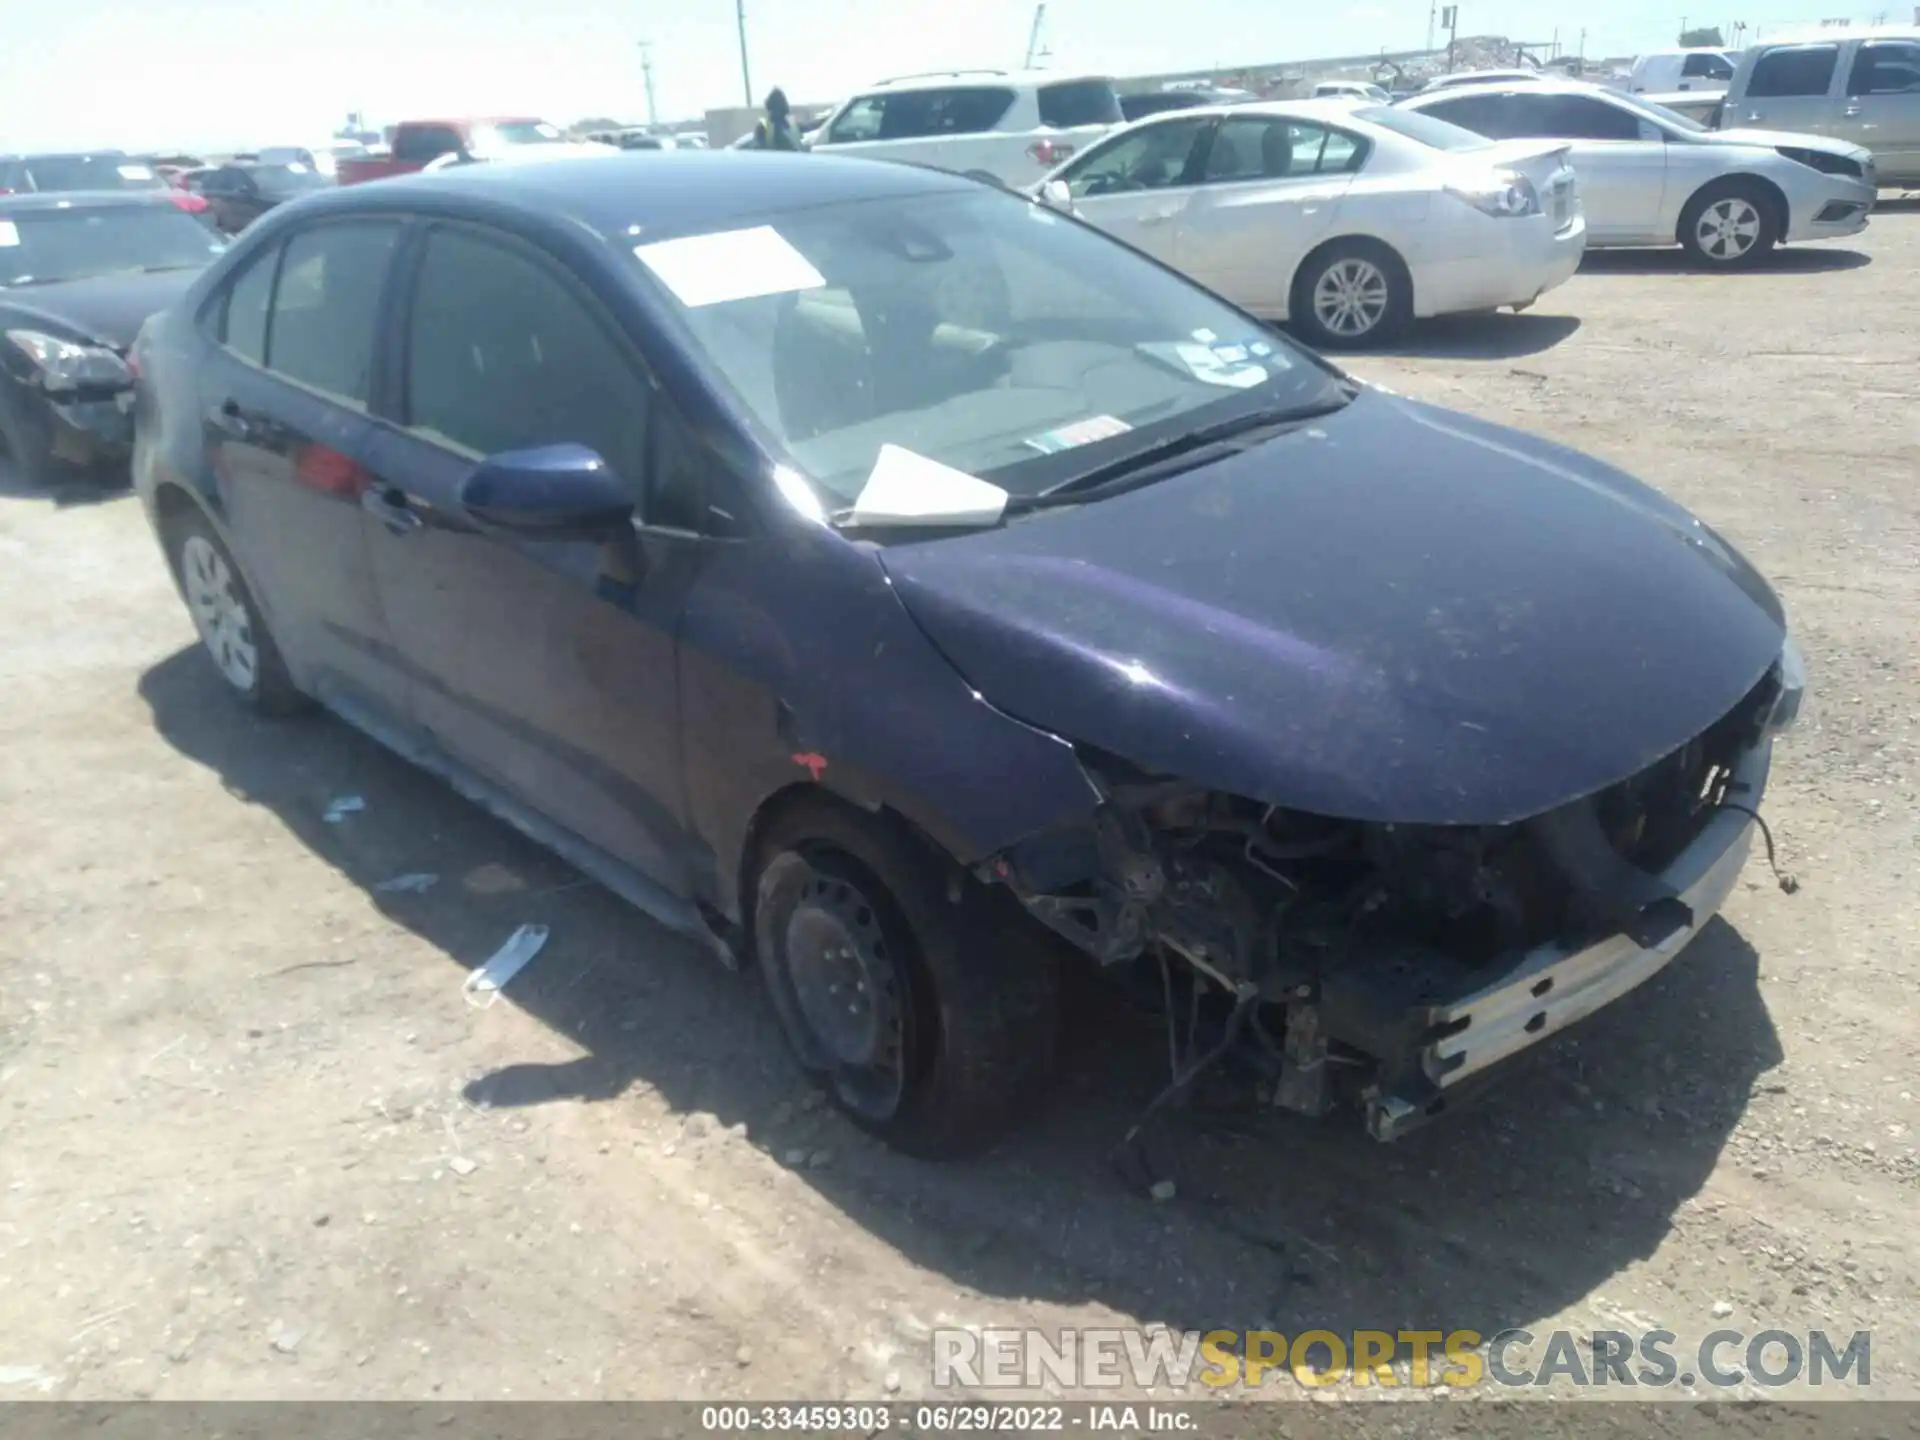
[1138, 186]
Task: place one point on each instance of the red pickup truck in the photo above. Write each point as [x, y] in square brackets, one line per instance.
[416, 143]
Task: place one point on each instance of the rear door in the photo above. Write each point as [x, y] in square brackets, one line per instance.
[1881, 107]
[285, 401]
[1619, 159]
[546, 667]
[1790, 87]
[1270, 190]
[1137, 185]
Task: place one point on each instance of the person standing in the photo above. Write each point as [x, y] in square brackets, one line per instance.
[776, 130]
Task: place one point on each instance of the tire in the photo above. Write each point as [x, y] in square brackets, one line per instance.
[1729, 225]
[950, 1011]
[1377, 289]
[231, 628]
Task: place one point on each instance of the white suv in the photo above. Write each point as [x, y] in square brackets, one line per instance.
[1009, 128]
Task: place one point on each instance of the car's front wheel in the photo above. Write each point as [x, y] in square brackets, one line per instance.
[1352, 294]
[231, 628]
[1729, 226]
[902, 985]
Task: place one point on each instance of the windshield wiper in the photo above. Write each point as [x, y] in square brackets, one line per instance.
[1177, 453]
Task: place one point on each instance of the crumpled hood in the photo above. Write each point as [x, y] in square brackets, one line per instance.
[105, 310]
[1797, 140]
[1392, 614]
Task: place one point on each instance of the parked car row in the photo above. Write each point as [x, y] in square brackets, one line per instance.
[910, 592]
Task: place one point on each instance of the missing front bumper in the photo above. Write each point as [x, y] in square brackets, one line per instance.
[1434, 1051]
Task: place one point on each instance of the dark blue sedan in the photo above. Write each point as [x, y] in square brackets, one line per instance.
[911, 590]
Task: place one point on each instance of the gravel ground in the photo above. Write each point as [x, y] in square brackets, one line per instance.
[257, 1145]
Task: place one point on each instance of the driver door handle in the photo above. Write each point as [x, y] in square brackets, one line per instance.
[231, 420]
[1853, 109]
[388, 505]
[1159, 217]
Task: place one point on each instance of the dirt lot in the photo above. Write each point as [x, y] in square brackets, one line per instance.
[256, 1144]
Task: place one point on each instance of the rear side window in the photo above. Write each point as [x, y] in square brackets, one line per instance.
[503, 355]
[244, 325]
[1488, 115]
[326, 307]
[425, 142]
[922, 114]
[1794, 70]
[1256, 148]
[1888, 67]
[1079, 102]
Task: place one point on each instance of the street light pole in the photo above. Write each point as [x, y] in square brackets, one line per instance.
[646, 69]
[746, 76]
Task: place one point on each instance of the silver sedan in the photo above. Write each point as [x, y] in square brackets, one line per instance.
[1650, 176]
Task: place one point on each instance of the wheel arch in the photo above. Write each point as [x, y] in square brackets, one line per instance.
[1769, 190]
[1384, 248]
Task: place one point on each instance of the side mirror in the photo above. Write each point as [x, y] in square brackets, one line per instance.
[555, 492]
[1055, 195]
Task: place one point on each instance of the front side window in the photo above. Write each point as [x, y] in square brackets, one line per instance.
[859, 121]
[1794, 71]
[504, 355]
[326, 307]
[1886, 67]
[987, 334]
[1256, 148]
[962, 110]
[47, 246]
[1079, 102]
[1707, 67]
[1149, 158]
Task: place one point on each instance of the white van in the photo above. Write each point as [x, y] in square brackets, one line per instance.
[1667, 71]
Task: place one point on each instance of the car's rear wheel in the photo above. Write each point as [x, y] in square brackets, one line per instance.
[229, 622]
[927, 1020]
[1352, 294]
[1729, 226]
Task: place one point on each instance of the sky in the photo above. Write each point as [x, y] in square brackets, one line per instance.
[231, 74]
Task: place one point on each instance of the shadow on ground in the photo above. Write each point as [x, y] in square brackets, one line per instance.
[1497, 1215]
[1791, 260]
[92, 488]
[1483, 337]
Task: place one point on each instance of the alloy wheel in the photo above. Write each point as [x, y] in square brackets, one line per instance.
[219, 614]
[1351, 297]
[1728, 228]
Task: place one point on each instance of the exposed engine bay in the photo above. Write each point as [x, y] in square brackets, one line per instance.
[1335, 960]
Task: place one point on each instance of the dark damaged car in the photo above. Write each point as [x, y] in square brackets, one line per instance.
[912, 592]
[79, 275]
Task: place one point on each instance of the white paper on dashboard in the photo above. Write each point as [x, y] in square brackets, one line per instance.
[135, 172]
[732, 265]
[909, 489]
[9, 234]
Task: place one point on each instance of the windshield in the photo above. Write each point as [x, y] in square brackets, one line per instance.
[1421, 128]
[508, 133]
[283, 182]
[92, 172]
[38, 247]
[976, 330]
[1657, 112]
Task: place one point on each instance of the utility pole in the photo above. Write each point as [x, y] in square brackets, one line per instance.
[746, 76]
[1433, 12]
[1450, 17]
[1033, 35]
[646, 69]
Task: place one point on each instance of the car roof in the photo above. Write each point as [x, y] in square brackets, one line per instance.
[1010, 79]
[27, 157]
[1502, 87]
[1330, 111]
[1834, 35]
[84, 200]
[655, 191]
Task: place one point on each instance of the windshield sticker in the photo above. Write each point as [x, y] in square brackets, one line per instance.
[909, 489]
[731, 265]
[1083, 432]
[135, 172]
[1225, 365]
[1259, 347]
[9, 234]
[1205, 337]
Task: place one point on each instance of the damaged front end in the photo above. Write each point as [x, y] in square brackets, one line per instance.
[1394, 965]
